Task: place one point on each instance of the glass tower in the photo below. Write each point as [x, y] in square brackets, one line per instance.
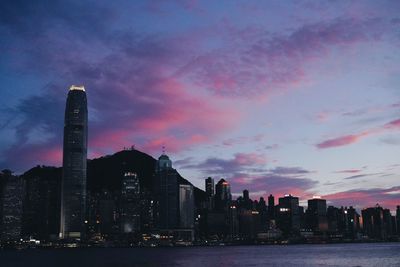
[73, 189]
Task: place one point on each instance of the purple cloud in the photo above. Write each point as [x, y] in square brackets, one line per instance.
[278, 185]
[353, 138]
[263, 61]
[363, 198]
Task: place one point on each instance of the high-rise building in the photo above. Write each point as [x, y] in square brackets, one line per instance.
[11, 190]
[316, 218]
[186, 206]
[247, 203]
[73, 185]
[288, 217]
[398, 220]
[210, 187]
[246, 195]
[333, 217]
[262, 210]
[105, 221]
[377, 222]
[233, 222]
[249, 223]
[223, 195]
[210, 192]
[130, 203]
[349, 222]
[168, 194]
[41, 203]
[271, 207]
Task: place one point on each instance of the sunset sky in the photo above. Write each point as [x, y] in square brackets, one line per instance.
[278, 97]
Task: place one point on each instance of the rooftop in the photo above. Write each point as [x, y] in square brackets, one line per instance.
[77, 87]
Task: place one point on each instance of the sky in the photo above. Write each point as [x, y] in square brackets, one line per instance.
[277, 97]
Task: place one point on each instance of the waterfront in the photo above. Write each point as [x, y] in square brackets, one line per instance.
[365, 255]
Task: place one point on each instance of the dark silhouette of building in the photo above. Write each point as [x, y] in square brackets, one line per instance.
[168, 194]
[377, 222]
[271, 207]
[246, 194]
[106, 215]
[41, 203]
[73, 185]
[349, 223]
[261, 207]
[175, 202]
[130, 209]
[223, 195]
[210, 192]
[210, 186]
[186, 206]
[316, 219]
[247, 203]
[11, 191]
[288, 217]
[232, 222]
[398, 220]
[332, 215]
[249, 223]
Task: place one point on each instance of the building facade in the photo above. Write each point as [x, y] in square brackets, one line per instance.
[11, 191]
[130, 203]
[316, 217]
[288, 217]
[73, 185]
[168, 194]
[186, 206]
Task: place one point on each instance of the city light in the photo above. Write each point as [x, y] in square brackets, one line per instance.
[75, 87]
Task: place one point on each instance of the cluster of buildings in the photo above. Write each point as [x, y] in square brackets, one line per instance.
[267, 221]
[30, 211]
[53, 206]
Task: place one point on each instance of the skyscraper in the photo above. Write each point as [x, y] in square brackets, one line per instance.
[288, 217]
[130, 203]
[73, 185]
[222, 195]
[271, 207]
[11, 189]
[316, 214]
[168, 194]
[186, 206]
[210, 187]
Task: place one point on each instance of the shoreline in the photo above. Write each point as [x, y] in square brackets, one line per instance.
[173, 246]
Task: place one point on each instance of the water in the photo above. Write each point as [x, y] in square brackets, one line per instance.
[349, 255]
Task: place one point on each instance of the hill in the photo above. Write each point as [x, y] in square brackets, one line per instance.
[105, 173]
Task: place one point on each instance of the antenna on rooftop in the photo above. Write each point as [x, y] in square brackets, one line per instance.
[163, 150]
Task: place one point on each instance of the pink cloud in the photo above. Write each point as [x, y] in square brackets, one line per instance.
[349, 171]
[252, 62]
[363, 198]
[243, 140]
[277, 185]
[395, 124]
[353, 138]
[249, 159]
[166, 116]
[342, 140]
[173, 143]
[31, 155]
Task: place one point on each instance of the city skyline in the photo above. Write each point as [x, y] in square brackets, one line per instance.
[276, 98]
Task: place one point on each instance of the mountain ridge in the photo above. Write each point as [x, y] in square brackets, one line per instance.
[105, 173]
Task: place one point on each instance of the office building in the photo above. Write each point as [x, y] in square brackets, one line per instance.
[73, 184]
